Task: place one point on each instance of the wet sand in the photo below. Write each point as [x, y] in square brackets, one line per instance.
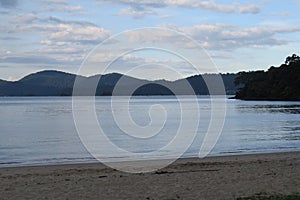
[226, 177]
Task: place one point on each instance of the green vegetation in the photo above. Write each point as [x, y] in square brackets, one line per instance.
[278, 83]
[273, 197]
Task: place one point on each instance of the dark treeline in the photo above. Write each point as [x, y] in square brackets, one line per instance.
[278, 83]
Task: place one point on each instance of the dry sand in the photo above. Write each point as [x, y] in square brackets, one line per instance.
[225, 177]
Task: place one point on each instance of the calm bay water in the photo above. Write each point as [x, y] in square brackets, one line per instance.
[41, 130]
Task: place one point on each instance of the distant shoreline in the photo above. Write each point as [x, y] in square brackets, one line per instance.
[159, 95]
[263, 99]
[231, 97]
[56, 83]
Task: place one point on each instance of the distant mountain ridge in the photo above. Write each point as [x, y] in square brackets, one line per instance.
[57, 83]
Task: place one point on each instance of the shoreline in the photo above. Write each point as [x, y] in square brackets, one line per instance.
[181, 159]
[219, 177]
[210, 158]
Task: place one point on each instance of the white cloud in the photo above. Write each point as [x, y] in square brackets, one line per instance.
[136, 65]
[221, 37]
[70, 42]
[57, 30]
[249, 9]
[146, 7]
[76, 33]
[135, 13]
[229, 37]
[24, 18]
[61, 40]
[62, 8]
[62, 34]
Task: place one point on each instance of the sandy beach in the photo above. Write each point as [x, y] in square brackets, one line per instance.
[226, 177]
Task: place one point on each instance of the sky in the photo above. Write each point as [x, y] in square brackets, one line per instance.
[150, 39]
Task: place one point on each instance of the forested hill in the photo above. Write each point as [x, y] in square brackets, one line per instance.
[278, 83]
[56, 83]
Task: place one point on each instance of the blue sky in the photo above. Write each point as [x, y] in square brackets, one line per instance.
[59, 34]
